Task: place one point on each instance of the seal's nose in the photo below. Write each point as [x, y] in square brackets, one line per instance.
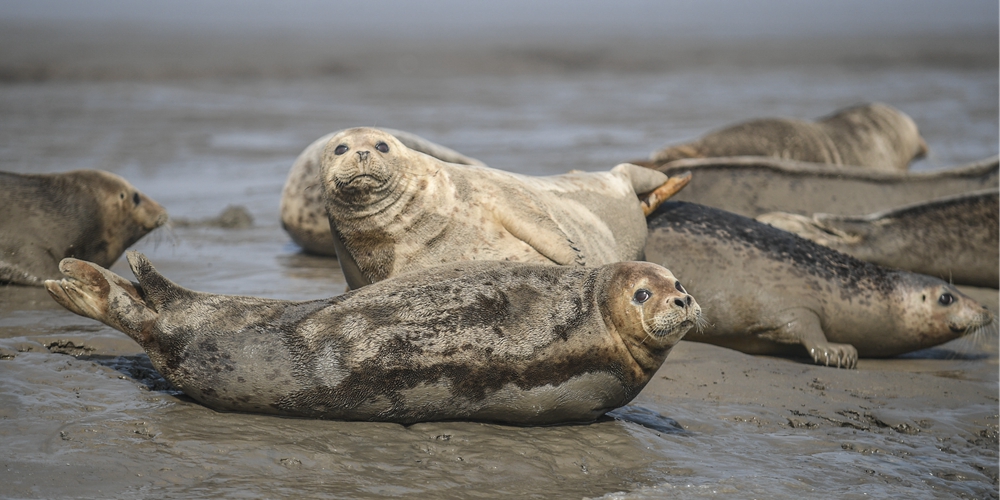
[683, 303]
[363, 155]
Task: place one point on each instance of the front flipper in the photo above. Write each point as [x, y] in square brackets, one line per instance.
[802, 326]
[529, 223]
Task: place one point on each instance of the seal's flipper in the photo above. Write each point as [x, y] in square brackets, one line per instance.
[802, 326]
[94, 292]
[659, 195]
[642, 179]
[528, 223]
[13, 274]
[157, 290]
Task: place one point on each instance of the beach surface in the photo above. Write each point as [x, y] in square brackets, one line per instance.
[203, 121]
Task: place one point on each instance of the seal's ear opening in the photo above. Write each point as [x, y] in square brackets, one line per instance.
[157, 290]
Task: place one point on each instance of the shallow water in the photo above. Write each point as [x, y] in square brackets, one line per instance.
[82, 414]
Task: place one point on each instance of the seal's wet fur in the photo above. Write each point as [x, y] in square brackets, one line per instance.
[85, 214]
[768, 291]
[493, 341]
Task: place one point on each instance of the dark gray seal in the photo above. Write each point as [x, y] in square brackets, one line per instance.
[956, 238]
[751, 186]
[86, 214]
[767, 291]
[492, 341]
[875, 136]
[303, 206]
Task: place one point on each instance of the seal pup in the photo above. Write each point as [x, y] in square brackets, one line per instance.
[303, 210]
[767, 291]
[491, 341]
[956, 238]
[87, 214]
[395, 210]
[751, 186]
[874, 135]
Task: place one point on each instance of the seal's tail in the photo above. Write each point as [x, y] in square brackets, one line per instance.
[92, 291]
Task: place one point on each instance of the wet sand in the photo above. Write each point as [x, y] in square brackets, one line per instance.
[83, 415]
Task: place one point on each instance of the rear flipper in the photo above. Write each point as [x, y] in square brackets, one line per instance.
[92, 291]
[665, 191]
[802, 326]
[651, 186]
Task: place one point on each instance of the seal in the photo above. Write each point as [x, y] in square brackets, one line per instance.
[767, 291]
[875, 136]
[751, 186]
[395, 210]
[953, 238]
[490, 341]
[303, 209]
[87, 214]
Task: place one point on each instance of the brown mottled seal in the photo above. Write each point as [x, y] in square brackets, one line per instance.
[956, 238]
[492, 341]
[875, 136]
[87, 214]
[768, 291]
[751, 186]
[303, 209]
[395, 210]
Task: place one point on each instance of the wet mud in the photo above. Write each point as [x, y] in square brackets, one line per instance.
[84, 415]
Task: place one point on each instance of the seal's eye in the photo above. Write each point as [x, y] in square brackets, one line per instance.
[340, 150]
[642, 296]
[383, 147]
[946, 299]
[135, 198]
[677, 285]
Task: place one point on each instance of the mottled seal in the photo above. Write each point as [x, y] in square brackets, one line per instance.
[751, 186]
[875, 136]
[394, 210]
[768, 291]
[492, 341]
[956, 238]
[303, 209]
[87, 214]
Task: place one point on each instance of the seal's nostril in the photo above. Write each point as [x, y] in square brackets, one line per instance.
[688, 300]
[679, 302]
[363, 155]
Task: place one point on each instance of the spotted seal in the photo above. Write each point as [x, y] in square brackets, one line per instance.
[303, 210]
[765, 291]
[394, 210]
[491, 341]
[752, 186]
[953, 238]
[87, 214]
[875, 136]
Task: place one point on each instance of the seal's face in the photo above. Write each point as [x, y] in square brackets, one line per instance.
[938, 312]
[649, 309]
[362, 165]
[127, 215]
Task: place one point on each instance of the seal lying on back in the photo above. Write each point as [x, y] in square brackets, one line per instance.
[395, 210]
[491, 341]
[953, 238]
[751, 186]
[767, 291]
[874, 135]
[87, 214]
[303, 209]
